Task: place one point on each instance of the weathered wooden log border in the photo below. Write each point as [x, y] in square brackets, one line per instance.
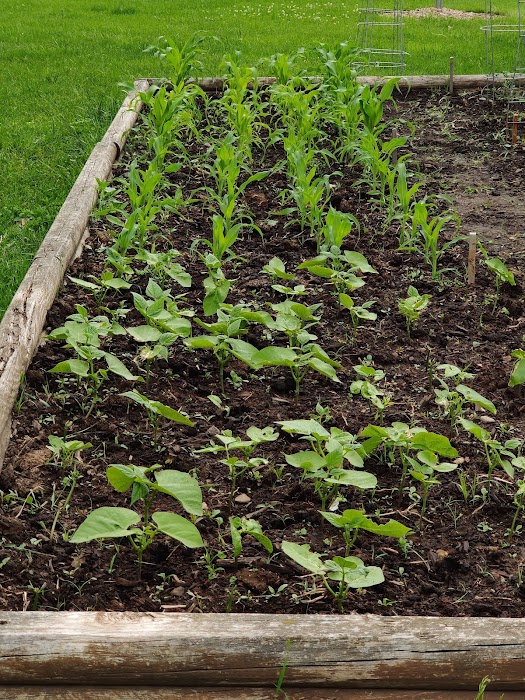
[414, 82]
[22, 325]
[214, 651]
[128, 656]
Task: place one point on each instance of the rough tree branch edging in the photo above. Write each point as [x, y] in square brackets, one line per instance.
[24, 319]
[241, 651]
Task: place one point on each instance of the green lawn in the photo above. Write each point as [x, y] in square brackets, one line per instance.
[61, 60]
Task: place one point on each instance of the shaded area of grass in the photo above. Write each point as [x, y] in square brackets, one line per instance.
[60, 66]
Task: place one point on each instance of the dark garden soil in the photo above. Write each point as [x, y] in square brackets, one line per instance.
[460, 562]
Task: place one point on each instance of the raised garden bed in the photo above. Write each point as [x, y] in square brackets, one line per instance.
[459, 558]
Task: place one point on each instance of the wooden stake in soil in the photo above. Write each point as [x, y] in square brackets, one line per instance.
[451, 76]
[472, 247]
[395, 135]
[515, 120]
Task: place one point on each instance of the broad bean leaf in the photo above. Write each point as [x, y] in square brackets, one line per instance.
[122, 476]
[302, 555]
[144, 334]
[117, 367]
[434, 442]
[475, 429]
[476, 398]
[78, 367]
[183, 487]
[178, 528]
[518, 373]
[356, 519]
[304, 427]
[351, 477]
[106, 522]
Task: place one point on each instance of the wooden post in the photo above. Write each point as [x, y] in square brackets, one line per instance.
[395, 134]
[472, 247]
[515, 120]
[248, 651]
[451, 76]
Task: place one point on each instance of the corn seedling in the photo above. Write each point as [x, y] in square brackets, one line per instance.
[182, 61]
[426, 234]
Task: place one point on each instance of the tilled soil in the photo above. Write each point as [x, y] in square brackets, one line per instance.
[461, 560]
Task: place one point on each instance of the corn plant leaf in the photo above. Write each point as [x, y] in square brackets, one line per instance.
[144, 334]
[85, 284]
[78, 367]
[476, 398]
[178, 528]
[302, 555]
[106, 522]
[183, 487]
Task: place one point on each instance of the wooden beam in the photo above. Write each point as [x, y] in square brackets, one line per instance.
[249, 650]
[22, 325]
[412, 82]
[156, 693]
